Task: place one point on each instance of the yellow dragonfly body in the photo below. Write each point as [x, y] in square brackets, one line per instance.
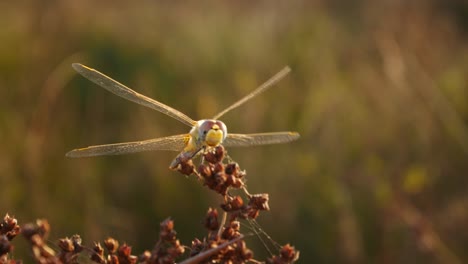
[205, 133]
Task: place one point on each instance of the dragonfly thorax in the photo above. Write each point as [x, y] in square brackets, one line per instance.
[209, 132]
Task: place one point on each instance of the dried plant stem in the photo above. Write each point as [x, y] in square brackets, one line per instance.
[223, 222]
[206, 254]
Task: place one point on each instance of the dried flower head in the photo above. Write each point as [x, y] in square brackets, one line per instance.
[232, 203]
[288, 254]
[125, 256]
[232, 231]
[144, 257]
[5, 245]
[111, 244]
[69, 249]
[41, 228]
[215, 155]
[259, 201]
[167, 232]
[66, 245]
[37, 234]
[197, 247]
[97, 254]
[186, 167]
[211, 220]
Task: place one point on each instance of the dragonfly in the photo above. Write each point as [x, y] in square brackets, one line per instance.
[205, 133]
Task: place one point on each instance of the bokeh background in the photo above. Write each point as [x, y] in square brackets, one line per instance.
[378, 92]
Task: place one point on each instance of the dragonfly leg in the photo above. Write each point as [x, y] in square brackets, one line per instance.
[183, 157]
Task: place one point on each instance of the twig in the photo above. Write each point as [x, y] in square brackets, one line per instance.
[206, 254]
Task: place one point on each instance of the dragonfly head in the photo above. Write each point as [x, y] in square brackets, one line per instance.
[211, 132]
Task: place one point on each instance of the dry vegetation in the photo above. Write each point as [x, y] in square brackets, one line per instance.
[224, 242]
[378, 92]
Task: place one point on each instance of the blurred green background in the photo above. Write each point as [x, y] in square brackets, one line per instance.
[378, 92]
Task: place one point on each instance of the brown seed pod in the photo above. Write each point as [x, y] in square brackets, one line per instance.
[66, 245]
[186, 167]
[211, 220]
[111, 244]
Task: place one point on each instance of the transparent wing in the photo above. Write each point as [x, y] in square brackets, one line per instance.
[174, 143]
[123, 91]
[245, 140]
[257, 91]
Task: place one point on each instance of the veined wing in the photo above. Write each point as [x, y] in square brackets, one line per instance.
[174, 143]
[245, 140]
[123, 91]
[257, 91]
